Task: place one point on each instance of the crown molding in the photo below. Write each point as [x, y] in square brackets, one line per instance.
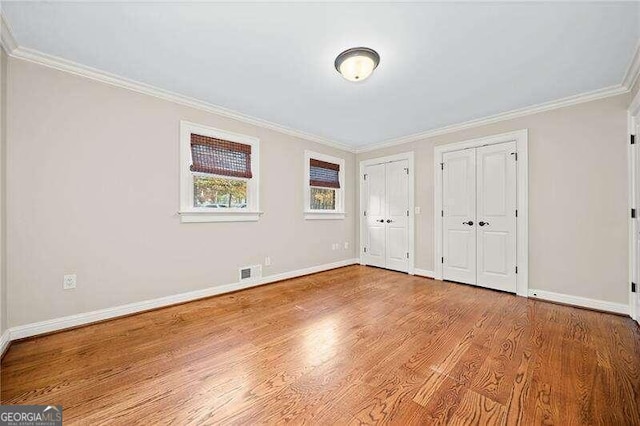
[633, 70]
[65, 65]
[72, 67]
[7, 40]
[12, 48]
[521, 112]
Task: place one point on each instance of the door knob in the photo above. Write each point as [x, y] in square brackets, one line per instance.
[470, 223]
[481, 223]
[389, 221]
[380, 220]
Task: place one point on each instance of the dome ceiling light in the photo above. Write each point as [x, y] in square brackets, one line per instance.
[356, 64]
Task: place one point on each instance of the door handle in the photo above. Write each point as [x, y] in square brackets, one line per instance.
[470, 223]
[380, 220]
[481, 223]
[389, 221]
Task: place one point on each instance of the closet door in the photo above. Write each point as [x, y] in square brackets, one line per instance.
[397, 218]
[376, 207]
[459, 216]
[635, 297]
[496, 214]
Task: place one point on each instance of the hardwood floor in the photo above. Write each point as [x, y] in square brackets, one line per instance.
[352, 345]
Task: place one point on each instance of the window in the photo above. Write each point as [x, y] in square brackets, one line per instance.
[215, 192]
[324, 186]
[219, 175]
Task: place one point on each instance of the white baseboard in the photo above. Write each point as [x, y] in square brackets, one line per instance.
[601, 305]
[423, 273]
[56, 324]
[5, 339]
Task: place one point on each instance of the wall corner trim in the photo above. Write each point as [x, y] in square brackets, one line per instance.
[633, 70]
[5, 340]
[600, 305]
[86, 318]
[7, 40]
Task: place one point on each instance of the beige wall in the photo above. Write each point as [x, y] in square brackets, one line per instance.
[83, 198]
[3, 129]
[93, 189]
[577, 196]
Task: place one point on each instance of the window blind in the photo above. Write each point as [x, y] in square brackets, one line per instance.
[324, 174]
[220, 157]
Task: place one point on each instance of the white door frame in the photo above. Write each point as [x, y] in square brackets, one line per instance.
[522, 232]
[633, 118]
[388, 159]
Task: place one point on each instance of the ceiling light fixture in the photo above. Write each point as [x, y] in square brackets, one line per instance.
[358, 63]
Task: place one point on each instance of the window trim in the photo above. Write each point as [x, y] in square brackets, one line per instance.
[339, 212]
[188, 213]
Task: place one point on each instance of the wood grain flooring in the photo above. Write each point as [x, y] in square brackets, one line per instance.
[354, 345]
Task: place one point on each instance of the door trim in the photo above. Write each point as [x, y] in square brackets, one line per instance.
[389, 159]
[633, 265]
[521, 137]
[633, 120]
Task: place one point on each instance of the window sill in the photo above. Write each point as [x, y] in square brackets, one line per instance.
[204, 216]
[323, 216]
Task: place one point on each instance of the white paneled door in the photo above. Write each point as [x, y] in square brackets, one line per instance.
[386, 195]
[496, 203]
[459, 216]
[397, 220]
[375, 188]
[479, 216]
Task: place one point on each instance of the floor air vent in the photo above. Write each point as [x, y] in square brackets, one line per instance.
[250, 272]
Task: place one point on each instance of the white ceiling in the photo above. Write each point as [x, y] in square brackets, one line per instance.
[441, 64]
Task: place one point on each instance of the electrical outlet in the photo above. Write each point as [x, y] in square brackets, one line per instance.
[416, 210]
[69, 281]
[346, 245]
[267, 261]
[334, 246]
